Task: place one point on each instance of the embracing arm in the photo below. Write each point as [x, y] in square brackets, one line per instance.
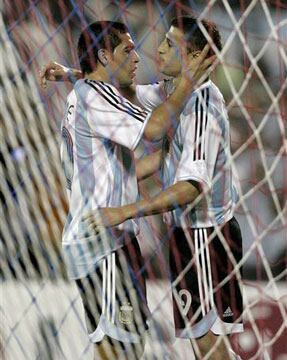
[177, 195]
[54, 71]
[148, 165]
[166, 115]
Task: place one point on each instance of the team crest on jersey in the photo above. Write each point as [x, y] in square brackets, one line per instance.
[126, 314]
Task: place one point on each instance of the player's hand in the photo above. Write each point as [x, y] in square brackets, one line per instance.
[53, 71]
[104, 217]
[198, 66]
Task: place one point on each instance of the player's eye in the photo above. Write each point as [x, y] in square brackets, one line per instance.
[169, 43]
[128, 50]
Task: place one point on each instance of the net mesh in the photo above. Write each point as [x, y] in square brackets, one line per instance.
[41, 312]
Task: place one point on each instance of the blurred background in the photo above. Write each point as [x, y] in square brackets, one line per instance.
[252, 78]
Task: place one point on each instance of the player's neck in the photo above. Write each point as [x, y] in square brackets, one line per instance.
[129, 92]
[102, 75]
[176, 80]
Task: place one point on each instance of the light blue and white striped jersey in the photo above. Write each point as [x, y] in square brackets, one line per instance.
[199, 151]
[100, 130]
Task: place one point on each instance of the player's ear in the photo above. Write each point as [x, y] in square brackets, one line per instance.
[103, 57]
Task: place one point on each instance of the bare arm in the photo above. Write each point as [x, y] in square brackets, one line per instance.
[178, 195]
[54, 71]
[167, 114]
[148, 165]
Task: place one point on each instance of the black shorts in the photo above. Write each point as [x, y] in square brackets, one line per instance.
[206, 294]
[114, 296]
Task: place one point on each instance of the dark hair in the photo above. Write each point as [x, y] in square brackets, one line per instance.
[193, 34]
[98, 35]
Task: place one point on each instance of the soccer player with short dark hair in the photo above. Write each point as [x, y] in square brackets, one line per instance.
[204, 238]
[100, 131]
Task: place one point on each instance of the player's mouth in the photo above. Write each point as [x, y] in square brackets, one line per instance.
[161, 61]
[133, 72]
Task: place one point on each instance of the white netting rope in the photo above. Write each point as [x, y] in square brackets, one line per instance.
[24, 124]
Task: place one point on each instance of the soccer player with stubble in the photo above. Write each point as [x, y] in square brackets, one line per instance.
[204, 238]
[100, 131]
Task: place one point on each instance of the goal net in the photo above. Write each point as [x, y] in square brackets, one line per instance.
[42, 315]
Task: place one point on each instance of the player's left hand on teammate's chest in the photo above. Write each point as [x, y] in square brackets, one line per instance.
[104, 217]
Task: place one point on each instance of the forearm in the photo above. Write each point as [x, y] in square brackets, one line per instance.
[178, 195]
[74, 75]
[148, 165]
[167, 114]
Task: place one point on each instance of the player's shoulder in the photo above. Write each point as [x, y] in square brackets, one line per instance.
[78, 93]
[210, 90]
[91, 91]
[151, 95]
[207, 96]
[215, 96]
[83, 89]
[72, 97]
[153, 88]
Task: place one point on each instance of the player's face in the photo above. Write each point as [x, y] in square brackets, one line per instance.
[172, 52]
[123, 61]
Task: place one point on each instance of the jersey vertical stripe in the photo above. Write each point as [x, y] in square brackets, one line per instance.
[206, 120]
[201, 119]
[200, 125]
[196, 129]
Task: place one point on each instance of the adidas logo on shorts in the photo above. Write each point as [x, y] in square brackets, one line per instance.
[227, 312]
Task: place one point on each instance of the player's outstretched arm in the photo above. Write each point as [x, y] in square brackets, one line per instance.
[54, 71]
[167, 114]
[177, 195]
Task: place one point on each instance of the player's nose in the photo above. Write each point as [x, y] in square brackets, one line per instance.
[136, 57]
[160, 48]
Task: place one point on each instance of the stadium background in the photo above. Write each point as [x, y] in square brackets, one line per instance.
[33, 204]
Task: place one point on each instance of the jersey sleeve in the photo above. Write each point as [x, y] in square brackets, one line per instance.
[201, 143]
[113, 117]
[152, 95]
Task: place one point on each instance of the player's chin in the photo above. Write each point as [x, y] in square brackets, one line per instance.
[166, 71]
[172, 71]
[161, 67]
[132, 76]
[127, 81]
